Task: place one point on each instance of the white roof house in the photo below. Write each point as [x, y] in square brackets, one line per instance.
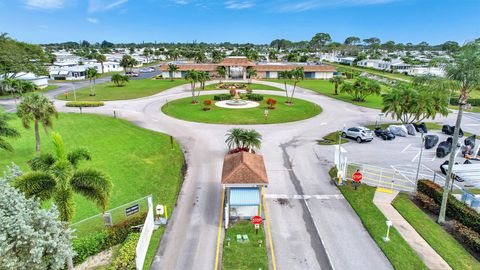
[39, 81]
[419, 71]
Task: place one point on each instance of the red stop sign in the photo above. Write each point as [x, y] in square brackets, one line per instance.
[357, 177]
[257, 220]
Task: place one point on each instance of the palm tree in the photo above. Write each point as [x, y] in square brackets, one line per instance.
[243, 138]
[286, 75]
[234, 138]
[361, 89]
[92, 75]
[119, 79]
[251, 72]
[172, 68]
[128, 62]
[465, 69]
[193, 77]
[40, 110]
[101, 59]
[252, 139]
[203, 77]
[10, 85]
[337, 80]
[297, 75]
[222, 72]
[6, 132]
[57, 177]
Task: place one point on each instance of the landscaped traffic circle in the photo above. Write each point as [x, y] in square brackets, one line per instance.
[263, 114]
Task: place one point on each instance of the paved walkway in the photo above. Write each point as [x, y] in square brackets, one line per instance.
[426, 253]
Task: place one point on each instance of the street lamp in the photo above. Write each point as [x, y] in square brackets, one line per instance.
[389, 224]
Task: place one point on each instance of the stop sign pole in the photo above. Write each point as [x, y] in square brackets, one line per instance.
[257, 220]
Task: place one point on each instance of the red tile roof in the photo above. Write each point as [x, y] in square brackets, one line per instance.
[236, 61]
[307, 68]
[244, 168]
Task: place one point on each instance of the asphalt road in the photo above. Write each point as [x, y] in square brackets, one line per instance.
[313, 226]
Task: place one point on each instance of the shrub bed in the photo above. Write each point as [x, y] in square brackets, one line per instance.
[468, 236]
[222, 97]
[85, 104]
[255, 97]
[427, 203]
[88, 246]
[125, 259]
[455, 209]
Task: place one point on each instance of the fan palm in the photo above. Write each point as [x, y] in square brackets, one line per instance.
[243, 138]
[337, 80]
[6, 132]
[234, 138]
[40, 110]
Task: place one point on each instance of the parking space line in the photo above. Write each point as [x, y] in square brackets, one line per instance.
[405, 149]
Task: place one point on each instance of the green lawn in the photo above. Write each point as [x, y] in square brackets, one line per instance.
[441, 241]
[140, 162]
[183, 109]
[244, 255]
[327, 88]
[46, 89]
[106, 74]
[152, 247]
[133, 89]
[254, 86]
[398, 252]
[388, 75]
[331, 139]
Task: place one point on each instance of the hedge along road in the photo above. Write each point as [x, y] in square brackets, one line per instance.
[317, 233]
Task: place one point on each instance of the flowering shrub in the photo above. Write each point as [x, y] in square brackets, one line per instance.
[207, 104]
[271, 103]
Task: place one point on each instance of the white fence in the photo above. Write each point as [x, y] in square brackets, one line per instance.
[145, 236]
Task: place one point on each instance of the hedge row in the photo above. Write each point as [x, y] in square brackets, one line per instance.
[125, 259]
[471, 101]
[87, 246]
[222, 97]
[85, 104]
[255, 97]
[455, 209]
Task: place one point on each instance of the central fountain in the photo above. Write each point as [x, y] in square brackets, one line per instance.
[236, 102]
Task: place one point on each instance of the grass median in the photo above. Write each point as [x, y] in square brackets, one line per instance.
[253, 86]
[397, 250]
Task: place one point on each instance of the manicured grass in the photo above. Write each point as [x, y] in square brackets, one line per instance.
[139, 162]
[133, 89]
[327, 88]
[388, 75]
[152, 247]
[398, 252]
[244, 255]
[441, 241]
[183, 109]
[46, 89]
[106, 74]
[254, 86]
[331, 139]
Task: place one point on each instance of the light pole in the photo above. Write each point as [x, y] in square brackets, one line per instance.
[74, 91]
[419, 160]
[387, 237]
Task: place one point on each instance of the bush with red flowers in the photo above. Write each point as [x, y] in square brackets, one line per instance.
[207, 103]
[271, 103]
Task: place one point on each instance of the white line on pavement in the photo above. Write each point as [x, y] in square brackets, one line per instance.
[305, 197]
[405, 149]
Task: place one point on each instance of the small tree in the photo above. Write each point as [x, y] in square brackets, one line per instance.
[193, 77]
[32, 237]
[271, 103]
[92, 75]
[336, 80]
[251, 72]
[286, 75]
[297, 75]
[222, 72]
[119, 79]
[361, 89]
[172, 68]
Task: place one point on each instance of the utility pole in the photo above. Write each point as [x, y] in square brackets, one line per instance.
[419, 161]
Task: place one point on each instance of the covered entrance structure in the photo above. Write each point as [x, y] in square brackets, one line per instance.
[236, 67]
[243, 177]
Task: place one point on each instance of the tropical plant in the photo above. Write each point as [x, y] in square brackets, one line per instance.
[207, 103]
[16, 87]
[40, 110]
[361, 89]
[119, 79]
[239, 138]
[465, 70]
[297, 75]
[128, 62]
[6, 132]
[32, 237]
[101, 59]
[336, 80]
[286, 75]
[192, 76]
[203, 77]
[222, 72]
[172, 68]
[251, 72]
[271, 103]
[92, 75]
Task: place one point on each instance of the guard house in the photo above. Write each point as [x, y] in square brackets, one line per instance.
[243, 177]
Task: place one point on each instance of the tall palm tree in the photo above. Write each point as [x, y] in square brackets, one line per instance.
[222, 72]
[465, 69]
[92, 75]
[286, 75]
[297, 75]
[193, 77]
[40, 110]
[251, 72]
[172, 68]
[6, 132]
[57, 177]
[337, 80]
[101, 58]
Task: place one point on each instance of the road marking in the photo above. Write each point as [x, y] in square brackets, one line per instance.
[305, 197]
[219, 230]
[472, 125]
[416, 156]
[405, 149]
[384, 190]
[267, 220]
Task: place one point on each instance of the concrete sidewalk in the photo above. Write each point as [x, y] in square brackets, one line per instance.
[426, 253]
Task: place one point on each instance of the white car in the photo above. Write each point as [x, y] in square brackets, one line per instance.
[360, 134]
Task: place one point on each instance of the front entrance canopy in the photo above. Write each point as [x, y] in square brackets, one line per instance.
[244, 168]
[244, 197]
[470, 173]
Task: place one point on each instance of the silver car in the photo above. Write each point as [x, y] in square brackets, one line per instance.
[360, 134]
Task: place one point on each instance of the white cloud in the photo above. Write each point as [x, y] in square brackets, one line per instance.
[92, 20]
[104, 5]
[45, 4]
[238, 4]
[309, 5]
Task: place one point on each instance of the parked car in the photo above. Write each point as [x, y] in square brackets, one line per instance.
[131, 74]
[385, 134]
[360, 134]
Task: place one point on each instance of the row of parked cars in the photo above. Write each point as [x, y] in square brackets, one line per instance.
[363, 134]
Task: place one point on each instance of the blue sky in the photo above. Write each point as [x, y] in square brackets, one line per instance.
[255, 21]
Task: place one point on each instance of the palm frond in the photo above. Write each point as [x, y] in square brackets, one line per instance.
[94, 185]
[63, 199]
[36, 184]
[75, 156]
[5, 145]
[59, 145]
[42, 162]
